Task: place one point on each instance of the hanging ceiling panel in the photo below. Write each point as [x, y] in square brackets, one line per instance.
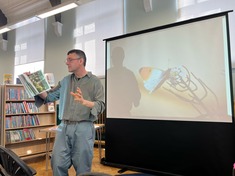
[16, 10]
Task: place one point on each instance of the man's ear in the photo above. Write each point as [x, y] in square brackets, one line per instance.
[81, 60]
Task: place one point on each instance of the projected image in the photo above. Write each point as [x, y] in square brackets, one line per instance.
[170, 74]
[185, 86]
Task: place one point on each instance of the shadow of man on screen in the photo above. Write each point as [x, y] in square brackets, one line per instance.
[123, 90]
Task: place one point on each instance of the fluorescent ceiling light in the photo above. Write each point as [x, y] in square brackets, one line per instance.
[24, 22]
[58, 9]
[3, 30]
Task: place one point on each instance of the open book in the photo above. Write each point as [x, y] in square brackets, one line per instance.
[35, 83]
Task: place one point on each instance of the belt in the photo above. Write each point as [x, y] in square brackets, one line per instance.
[69, 122]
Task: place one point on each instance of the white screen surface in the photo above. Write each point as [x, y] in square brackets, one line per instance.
[176, 73]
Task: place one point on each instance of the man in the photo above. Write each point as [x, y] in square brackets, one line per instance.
[81, 98]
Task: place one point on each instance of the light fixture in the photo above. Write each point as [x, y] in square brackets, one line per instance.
[57, 9]
[24, 22]
[3, 30]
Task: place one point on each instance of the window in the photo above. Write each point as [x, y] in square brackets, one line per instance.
[29, 48]
[106, 20]
[195, 8]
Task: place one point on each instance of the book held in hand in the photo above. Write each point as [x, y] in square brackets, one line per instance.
[34, 83]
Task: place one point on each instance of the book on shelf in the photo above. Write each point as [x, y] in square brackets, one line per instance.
[16, 93]
[21, 121]
[51, 106]
[20, 135]
[7, 79]
[18, 81]
[28, 134]
[50, 78]
[34, 83]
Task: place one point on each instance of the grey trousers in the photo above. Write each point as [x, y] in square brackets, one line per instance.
[73, 145]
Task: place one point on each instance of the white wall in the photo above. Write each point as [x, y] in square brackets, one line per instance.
[163, 12]
[7, 57]
[57, 47]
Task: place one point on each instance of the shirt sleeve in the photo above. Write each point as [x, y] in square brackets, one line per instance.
[53, 95]
[98, 99]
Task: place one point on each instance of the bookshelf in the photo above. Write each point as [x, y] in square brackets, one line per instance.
[1, 108]
[22, 121]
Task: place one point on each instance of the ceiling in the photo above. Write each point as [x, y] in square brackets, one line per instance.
[14, 11]
[18, 10]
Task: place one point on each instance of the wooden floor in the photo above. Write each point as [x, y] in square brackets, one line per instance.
[39, 164]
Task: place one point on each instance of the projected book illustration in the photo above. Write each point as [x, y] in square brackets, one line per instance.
[183, 84]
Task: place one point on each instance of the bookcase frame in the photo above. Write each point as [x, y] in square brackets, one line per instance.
[30, 147]
[1, 118]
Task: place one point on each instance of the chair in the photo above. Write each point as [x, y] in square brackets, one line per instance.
[12, 165]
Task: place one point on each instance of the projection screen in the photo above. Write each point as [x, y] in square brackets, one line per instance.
[175, 72]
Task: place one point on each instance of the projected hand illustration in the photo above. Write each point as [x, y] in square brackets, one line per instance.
[183, 84]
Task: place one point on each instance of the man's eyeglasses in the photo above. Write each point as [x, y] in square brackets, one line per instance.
[70, 60]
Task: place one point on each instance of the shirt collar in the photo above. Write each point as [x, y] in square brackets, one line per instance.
[89, 74]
